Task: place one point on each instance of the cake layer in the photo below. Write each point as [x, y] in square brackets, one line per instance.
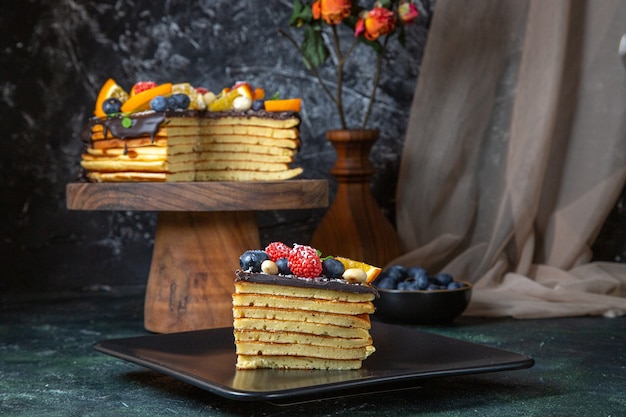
[204, 151]
[279, 301]
[186, 157]
[317, 284]
[195, 141]
[239, 175]
[294, 362]
[223, 175]
[123, 156]
[281, 120]
[242, 336]
[247, 287]
[99, 165]
[121, 164]
[173, 130]
[302, 349]
[127, 176]
[361, 321]
[152, 120]
[300, 327]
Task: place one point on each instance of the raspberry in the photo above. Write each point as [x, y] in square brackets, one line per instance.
[143, 86]
[201, 90]
[304, 261]
[277, 250]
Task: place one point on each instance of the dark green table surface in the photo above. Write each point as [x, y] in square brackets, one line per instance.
[48, 368]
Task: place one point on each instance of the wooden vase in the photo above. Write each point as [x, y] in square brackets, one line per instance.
[354, 226]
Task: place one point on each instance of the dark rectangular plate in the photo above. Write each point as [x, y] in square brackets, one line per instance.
[403, 358]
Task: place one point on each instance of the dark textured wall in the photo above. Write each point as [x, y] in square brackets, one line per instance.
[55, 55]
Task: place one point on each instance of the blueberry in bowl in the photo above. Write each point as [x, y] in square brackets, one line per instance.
[412, 296]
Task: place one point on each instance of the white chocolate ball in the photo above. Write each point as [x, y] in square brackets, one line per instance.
[269, 267]
[242, 103]
[354, 275]
[208, 97]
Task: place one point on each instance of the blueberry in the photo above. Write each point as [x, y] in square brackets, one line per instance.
[159, 103]
[443, 279]
[396, 272]
[178, 101]
[283, 266]
[423, 281]
[387, 284]
[455, 285]
[398, 268]
[332, 268]
[415, 271]
[171, 103]
[251, 260]
[432, 287]
[406, 285]
[258, 105]
[111, 105]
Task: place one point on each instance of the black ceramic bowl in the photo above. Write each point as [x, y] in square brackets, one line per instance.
[422, 307]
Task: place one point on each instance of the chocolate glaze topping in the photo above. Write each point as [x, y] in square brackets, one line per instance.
[294, 281]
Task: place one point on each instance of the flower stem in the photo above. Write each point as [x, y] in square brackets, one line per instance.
[341, 61]
[340, 64]
[379, 61]
[310, 65]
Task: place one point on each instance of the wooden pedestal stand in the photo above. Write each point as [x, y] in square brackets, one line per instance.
[354, 226]
[202, 228]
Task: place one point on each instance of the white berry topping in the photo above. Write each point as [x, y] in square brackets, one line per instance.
[354, 275]
[242, 103]
[269, 267]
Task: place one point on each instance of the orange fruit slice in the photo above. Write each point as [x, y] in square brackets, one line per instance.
[141, 101]
[110, 89]
[259, 94]
[289, 104]
[224, 100]
[371, 270]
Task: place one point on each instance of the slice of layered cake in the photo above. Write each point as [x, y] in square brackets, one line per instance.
[293, 310]
[179, 133]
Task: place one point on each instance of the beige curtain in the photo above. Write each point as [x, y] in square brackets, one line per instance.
[516, 153]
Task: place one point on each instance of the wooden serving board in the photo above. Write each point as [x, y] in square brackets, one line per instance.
[198, 196]
[202, 228]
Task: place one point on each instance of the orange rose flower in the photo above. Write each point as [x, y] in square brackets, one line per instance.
[377, 22]
[407, 12]
[332, 11]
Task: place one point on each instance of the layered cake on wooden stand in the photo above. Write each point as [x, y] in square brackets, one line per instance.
[206, 163]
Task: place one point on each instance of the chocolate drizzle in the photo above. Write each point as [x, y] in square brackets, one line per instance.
[138, 125]
[294, 281]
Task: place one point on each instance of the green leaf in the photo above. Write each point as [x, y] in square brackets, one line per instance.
[313, 47]
[301, 14]
[350, 21]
